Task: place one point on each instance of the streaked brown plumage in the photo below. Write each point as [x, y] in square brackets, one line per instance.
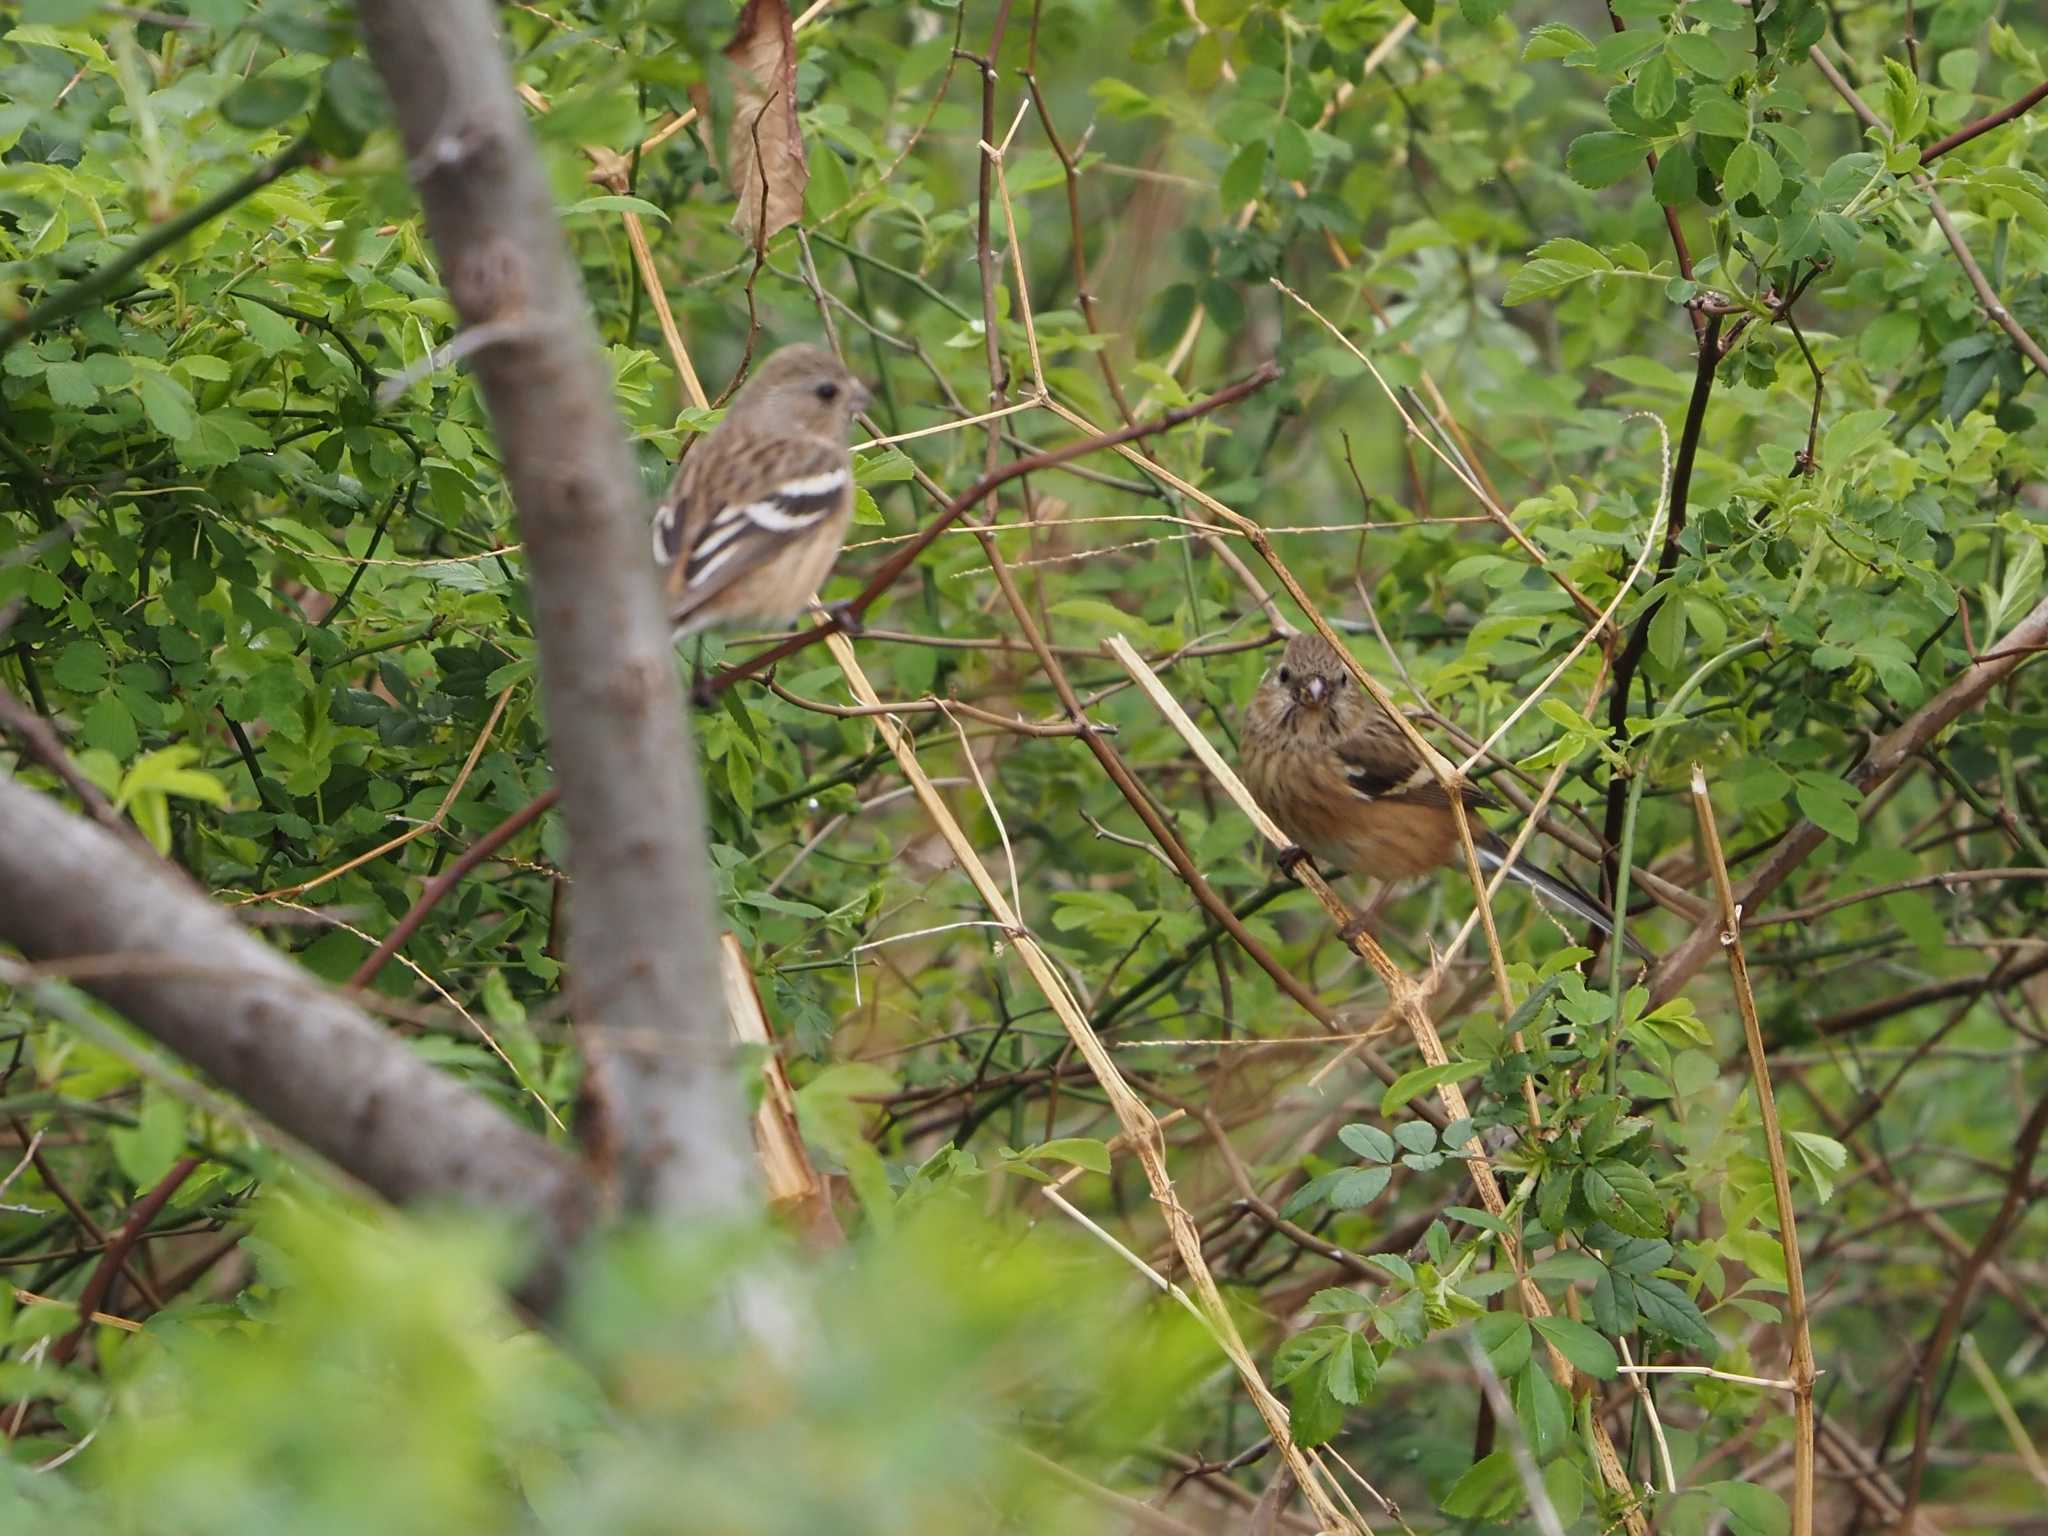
[759, 510]
[1337, 774]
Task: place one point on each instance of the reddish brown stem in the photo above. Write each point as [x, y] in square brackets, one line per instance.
[2009, 1212]
[1969, 131]
[448, 879]
[146, 1210]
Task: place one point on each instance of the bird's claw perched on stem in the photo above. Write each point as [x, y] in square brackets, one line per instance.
[1353, 931]
[846, 618]
[1291, 858]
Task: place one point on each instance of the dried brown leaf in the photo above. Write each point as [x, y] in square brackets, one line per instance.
[764, 152]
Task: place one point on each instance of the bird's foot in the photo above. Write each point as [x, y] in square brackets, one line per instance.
[1291, 858]
[846, 618]
[1353, 931]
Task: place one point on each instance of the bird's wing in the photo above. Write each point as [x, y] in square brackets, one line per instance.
[1380, 765]
[738, 500]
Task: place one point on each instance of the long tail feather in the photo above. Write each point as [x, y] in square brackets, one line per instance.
[1554, 888]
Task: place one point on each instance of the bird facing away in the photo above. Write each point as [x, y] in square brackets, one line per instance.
[1335, 771]
[756, 515]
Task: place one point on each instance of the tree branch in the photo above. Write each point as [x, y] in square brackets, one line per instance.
[1985, 124]
[250, 1018]
[1994, 306]
[1885, 759]
[644, 977]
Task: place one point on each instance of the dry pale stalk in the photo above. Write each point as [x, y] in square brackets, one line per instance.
[1141, 1127]
[792, 1183]
[1774, 1143]
[1408, 1000]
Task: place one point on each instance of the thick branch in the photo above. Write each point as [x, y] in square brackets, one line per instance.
[1885, 759]
[646, 984]
[302, 1056]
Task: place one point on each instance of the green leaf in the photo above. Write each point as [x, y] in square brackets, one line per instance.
[1368, 1141]
[2022, 579]
[1667, 634]
[271, 332]
[1490, 1489]
[1569, 1264]
[1354, 1187]
[1676, 182]
[166, 771]
[1507, 1341]
[1411, 1084]
[147, 1151]
[1666, 1308]
[1622, 1195]
[1702, 56]
[1340, 1371]
[1339, 1299]
[71, 385]
[1603, 158]
[1082, 1151]
[168, 404]
[1415, 1135]
[1292, 158]
[1542, 1409]
[1579, 1344]
[1822, 1157]
[1245, 177]
[1905, 102]
[110, 727]
[352, 106]
[266, 100]
[1752, 1511]
[81, 667]
[1656, 87]
[616, 202]
[1562, 1480]
[1555, 40]
[1830, 805]
[1719, 115]
[1889, 340]
[1743, 171]
[1553, 265]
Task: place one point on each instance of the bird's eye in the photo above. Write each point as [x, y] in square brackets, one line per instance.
[1286, 676]
[828, 391]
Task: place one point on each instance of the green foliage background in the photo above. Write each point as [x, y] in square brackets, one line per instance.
[277, 619]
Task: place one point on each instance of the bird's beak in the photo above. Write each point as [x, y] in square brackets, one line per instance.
[1313, 692]
[863, 397]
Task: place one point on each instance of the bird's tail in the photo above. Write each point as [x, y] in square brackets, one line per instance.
[1557, 889]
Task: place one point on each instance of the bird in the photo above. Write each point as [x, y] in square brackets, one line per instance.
[755, 517]
[1328, 763]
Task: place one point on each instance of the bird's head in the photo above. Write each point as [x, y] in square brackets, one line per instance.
[803, 391]
[1309, 675]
